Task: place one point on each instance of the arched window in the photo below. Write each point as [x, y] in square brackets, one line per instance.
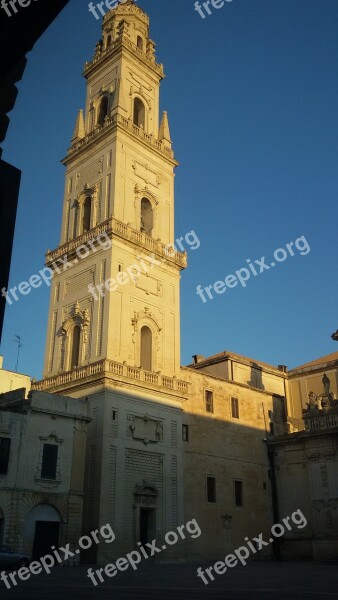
[147, 217]
[139, 42]
[108, 43]
[75, 353]
[86, 218]
[139, 113]
[103, 110]
[146, 349]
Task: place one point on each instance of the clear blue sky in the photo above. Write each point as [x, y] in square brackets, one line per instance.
[252, 97]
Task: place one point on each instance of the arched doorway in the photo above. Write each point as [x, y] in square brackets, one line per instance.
[41, 530]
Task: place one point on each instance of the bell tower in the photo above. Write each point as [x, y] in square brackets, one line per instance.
[115, 288]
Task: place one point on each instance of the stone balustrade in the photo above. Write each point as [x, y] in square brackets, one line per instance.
[112, 227]
[112, 369]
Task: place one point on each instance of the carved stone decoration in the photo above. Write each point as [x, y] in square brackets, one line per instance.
[76, 318]
[226, 521]
[145, 494]
[145, 429]
[148, 175]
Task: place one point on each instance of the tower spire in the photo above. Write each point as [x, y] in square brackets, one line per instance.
[164, 132]
[79, 130]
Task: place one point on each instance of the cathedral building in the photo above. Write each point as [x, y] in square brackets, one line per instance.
[165, 444]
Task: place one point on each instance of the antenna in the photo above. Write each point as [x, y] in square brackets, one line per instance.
[17, 340]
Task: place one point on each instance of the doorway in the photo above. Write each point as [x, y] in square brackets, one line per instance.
[147, 525]
[46, 535]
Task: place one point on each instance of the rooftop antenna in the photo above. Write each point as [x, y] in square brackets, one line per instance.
[17, 340]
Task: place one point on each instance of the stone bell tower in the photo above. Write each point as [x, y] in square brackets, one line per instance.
[114, 327]
[119, 181]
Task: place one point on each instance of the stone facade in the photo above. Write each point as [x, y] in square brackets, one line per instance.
[305, 464]
[27, 494]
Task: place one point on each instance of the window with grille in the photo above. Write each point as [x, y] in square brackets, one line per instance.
[49, 461]
[5, 445]
[234, 408]
[211, 489]
[209, 401]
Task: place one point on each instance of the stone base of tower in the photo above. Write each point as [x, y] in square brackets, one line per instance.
[134, 470]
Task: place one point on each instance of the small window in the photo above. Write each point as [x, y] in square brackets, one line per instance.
[209, 401]
[49, 461]
[234, 408]
[238, 489]
[211, 489]
[108, 43]
[139, 42]
[185, 433]
[5, 445]
[114, 415]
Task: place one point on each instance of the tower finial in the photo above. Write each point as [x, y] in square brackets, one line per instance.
[79, 131]
[164, 132]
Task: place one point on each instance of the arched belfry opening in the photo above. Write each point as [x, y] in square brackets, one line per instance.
[108, 42]
[146, 348]
[147, 217]
[75, 348]
[139, 113]
[103, 110]
[87, 210]
[139, 42]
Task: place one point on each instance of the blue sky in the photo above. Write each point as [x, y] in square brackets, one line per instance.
[252, 96]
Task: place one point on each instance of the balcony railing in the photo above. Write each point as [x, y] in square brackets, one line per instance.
[119, 43]
[111, 368]
[112, 227]
[119, 121]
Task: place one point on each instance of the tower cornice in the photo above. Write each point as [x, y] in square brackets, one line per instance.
[114, 228]
[112, 124]
[122, 43]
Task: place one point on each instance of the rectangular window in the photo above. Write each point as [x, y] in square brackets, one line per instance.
[211, 489]
[114, 415]
[234, 408]
[5, 444]
[185, 433]
[238, 489]
[49, 461]
[209, 401]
